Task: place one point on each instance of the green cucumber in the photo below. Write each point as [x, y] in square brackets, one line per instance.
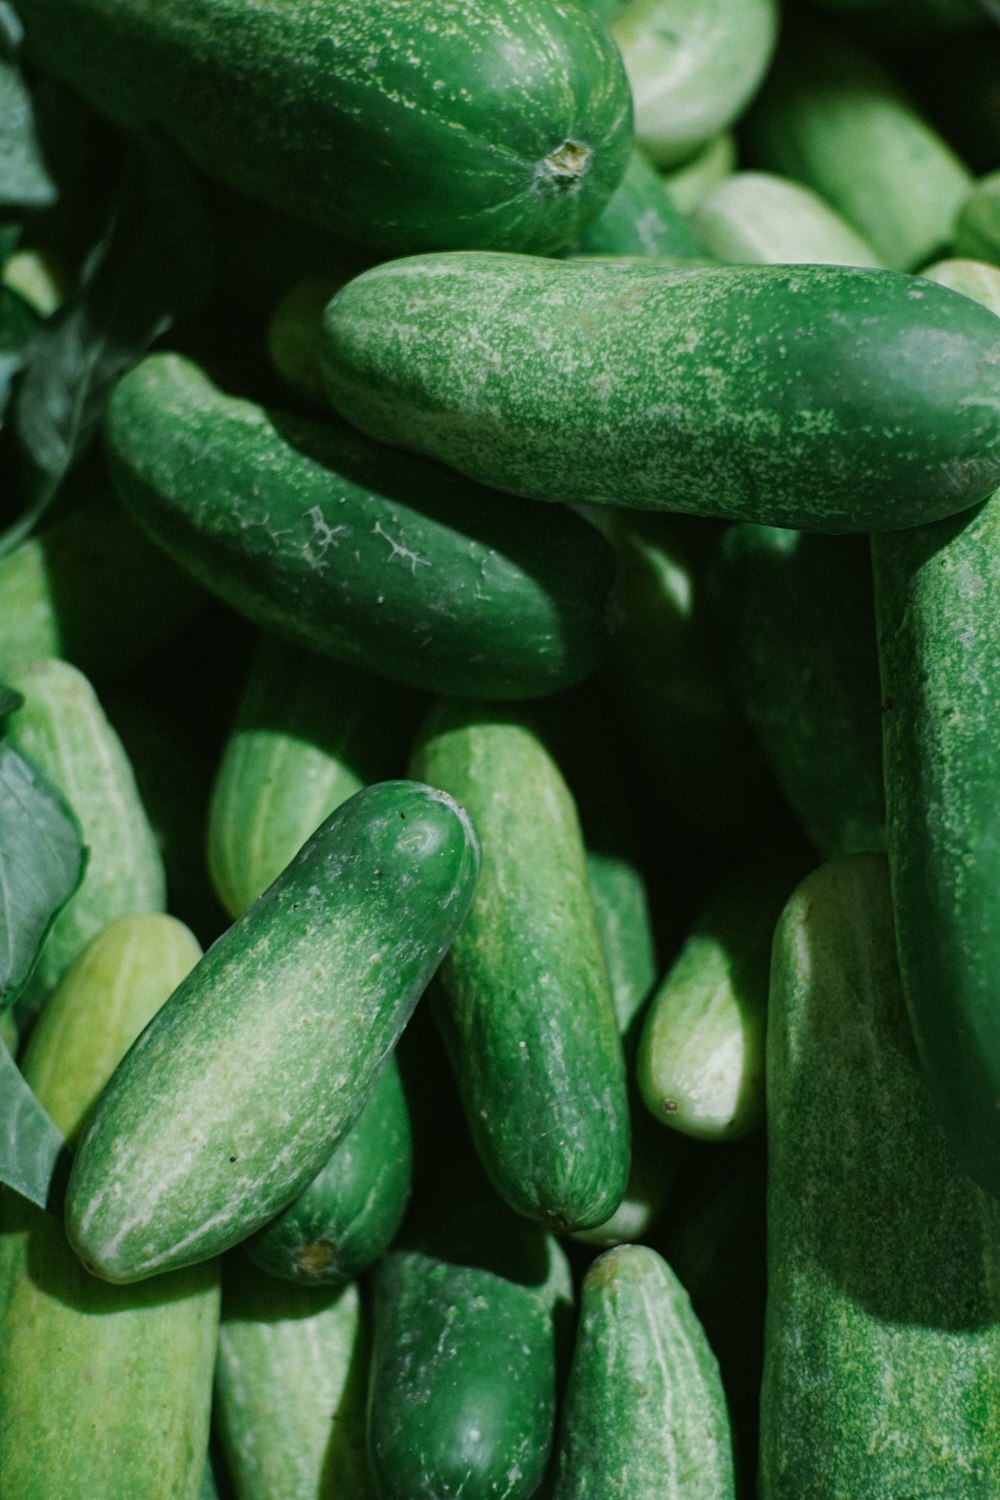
[348, 1214]
[829, 116]
[973, 278]
[237, 1092]
[690, 183]
[523, 997]
[293, 332]
[883, 1319]
[405, 124]
[762, 219]
[811, 691]
[386, 563]
[977, 228]
[290, 1388]
[645, 1414]
[832, 398]
[461, 1400]
[693, 66]
[309, 733]
[105, 1390]
[65, 731]
[638, 219]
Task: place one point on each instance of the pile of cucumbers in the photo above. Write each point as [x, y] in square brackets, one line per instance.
[499, 750]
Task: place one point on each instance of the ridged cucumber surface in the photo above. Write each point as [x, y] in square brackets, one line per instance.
[235, 1095]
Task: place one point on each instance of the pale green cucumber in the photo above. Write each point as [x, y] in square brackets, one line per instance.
[65, 731]
[883, 1316]
[690, 183]
[105, 1390]
[973, 278]
[644, 1416]
[523, 997]
[309, 733]
[693, 66]
[238, 1091]
[977, 229]
[762, 219]
[290, 1388]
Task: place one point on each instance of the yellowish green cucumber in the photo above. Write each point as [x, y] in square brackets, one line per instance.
[105, 1390]
[235, 1095]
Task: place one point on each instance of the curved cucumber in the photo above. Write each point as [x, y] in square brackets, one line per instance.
[237, 1092]
[831, 398]
[309, 733]
[523, 997]
[105, 1390]
[406, 124]
[384, 562]
[461, 1400]
[65, 731]
[645, 1414]
[290, 1388]
[343, 1220]
[882, 1336]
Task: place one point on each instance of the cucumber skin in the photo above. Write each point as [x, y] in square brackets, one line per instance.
[639, 219]
[829, 398]
[290, 1388]
[462, 1391]
[348, 1215]
[223, 1072]
[523, 998]
[644, 1414]
[105, 1390]
[390, 564]
[406, 124]
[881, 1348]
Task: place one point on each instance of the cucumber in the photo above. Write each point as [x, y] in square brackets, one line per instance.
[65, 731]
[977, 228]
[404, 124]
[385, 563]
[523, 998]
[638, 219]
[293, 333]
[690, 183]
[461, 1400]
[309, 733]
[762, 219]
[831, 398]
[237, 1092]
[349, 1213]
[645, 1414]
[290, 1388]
[105, 1390]
[882, 1336]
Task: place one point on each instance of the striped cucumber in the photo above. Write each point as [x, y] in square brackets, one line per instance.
[237, 1092]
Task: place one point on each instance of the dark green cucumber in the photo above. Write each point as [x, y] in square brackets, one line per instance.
[237, 1092]
[406, 124]
[831, 398]
[309, 733]
[523, 997]
[290, 1388]
[343, 546]
[349, 1213]
[645, 1414]
[461, 1400]
[105, 1390]
[639, 219]
[883, 1316]
[798, 626]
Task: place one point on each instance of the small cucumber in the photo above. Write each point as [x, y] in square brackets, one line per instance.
[348, 1214]
[690, 183]
[105, 1390]
[762, 219]
[882, 1333]
[309, 733]
[831, 398]
[387, 563]
[977, 228]
[237, 1092]
[65, 731]
[293, 333]
[645, 1415]
[523, 997]
[290, 1388]
[461, 1400]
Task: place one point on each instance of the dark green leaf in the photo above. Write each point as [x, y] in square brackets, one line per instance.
[30, 1144]
[152, 266]
[41, 864]
[18, 322]
[10, 699]
[24, 178]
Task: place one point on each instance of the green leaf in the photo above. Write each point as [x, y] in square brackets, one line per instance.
[10, 699]
[42, 861]
[31, 1147]
[18, 322]
[24, 178]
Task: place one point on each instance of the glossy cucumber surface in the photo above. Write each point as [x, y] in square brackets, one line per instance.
[831, 398]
